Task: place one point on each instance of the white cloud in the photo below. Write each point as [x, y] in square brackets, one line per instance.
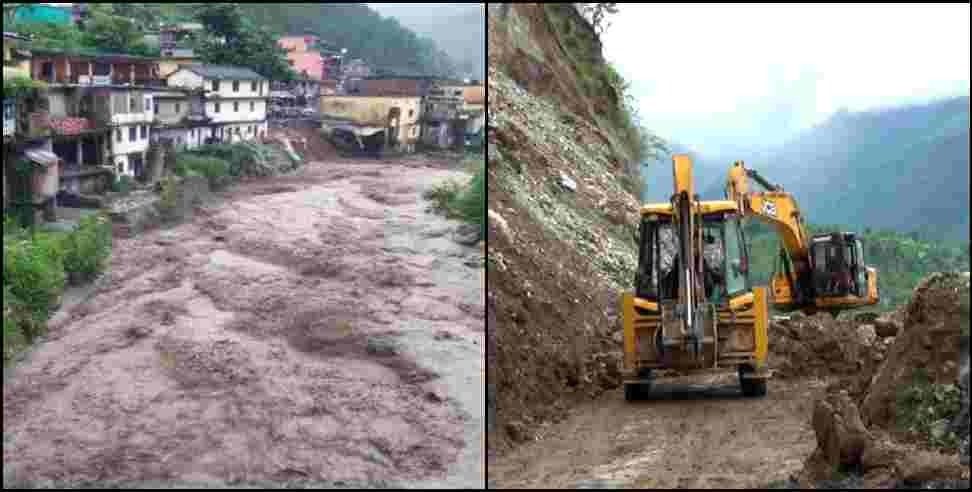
[709, 72]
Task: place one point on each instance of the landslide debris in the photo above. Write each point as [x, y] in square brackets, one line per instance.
[909, 425]
[561, 225]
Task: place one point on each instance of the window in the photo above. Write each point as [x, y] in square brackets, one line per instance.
[131, 104]
[148, 104]
[118, 135]
[178, 107]
[236, 107]
[143, 130]
[216, 86]
[253, 86]
[411, 113]
[736, 263]
[216, 108]
[236, 86]
[131, 134]
[121, 165]
[252, 106]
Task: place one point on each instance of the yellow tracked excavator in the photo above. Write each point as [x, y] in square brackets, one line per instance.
[693, 307]
[825, 272]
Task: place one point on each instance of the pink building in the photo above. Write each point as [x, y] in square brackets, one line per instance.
[304, 56]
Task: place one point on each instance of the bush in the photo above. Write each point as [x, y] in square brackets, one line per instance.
[925, 409]
[216, 170]
[471, 205]
[465, 203]
[86, 250]
[33, 270]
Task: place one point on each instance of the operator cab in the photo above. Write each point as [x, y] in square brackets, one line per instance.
[724, 260]
[838, 265]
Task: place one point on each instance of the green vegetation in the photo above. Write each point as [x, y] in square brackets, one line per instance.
[37, 266]
[924, 409]
[16, 86]
[233, 38]
[86, 250]
[168, 205]
[457, 201]
[216, 170]
[105, 31]
[901, 260]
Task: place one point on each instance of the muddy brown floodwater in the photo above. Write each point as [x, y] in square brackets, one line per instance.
[690, 432]
[321, 328]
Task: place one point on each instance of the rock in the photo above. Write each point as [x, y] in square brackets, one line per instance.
[885, 327]
[381, 347]
[497, 222]
[567, 183]
[444, 335]
[434, 397]
[468, 235]
[927, 465]
[867, 334]
[841, 435]
[516, 431]
[868, 317]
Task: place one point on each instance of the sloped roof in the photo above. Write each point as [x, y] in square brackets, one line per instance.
[223, 72]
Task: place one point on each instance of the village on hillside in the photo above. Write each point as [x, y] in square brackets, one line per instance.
[99, 117]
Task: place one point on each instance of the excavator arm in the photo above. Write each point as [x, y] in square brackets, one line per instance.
[794, 287]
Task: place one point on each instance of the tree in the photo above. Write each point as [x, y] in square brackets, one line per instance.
[114, 33]
[235, 40]
[597, 13]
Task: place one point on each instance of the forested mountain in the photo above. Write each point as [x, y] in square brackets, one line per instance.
[459, 29]
[381, 41]
[709, 175]
[904, 168]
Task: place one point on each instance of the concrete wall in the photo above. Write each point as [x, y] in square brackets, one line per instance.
[169, 113]
[227, 114]
[185, 78]
[191, 138]
[374, 111]
[246, 88]
[144, 112]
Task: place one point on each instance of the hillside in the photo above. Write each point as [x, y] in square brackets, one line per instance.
[561, 225]
[458, 29]
[888, 168]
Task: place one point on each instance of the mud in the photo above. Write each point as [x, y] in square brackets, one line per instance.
[286, 335]
[695, 432]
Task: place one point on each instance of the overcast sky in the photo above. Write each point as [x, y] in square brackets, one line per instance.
[715, 77]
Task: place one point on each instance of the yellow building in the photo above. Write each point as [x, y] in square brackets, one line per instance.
[15, 54]
[398, 116]
[168, 66]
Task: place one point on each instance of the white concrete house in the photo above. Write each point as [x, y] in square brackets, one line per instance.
[132, 116]
[235, 99]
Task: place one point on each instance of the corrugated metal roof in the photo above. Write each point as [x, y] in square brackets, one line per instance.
[223, 72]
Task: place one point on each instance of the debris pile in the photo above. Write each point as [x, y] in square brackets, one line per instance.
[862, 438]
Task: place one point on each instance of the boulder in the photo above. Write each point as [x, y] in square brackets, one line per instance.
[841, 435]
[498, 223]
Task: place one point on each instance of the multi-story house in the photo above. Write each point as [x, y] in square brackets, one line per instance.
[235, 99]
[100, 108]
[442, 116]
[180, 119]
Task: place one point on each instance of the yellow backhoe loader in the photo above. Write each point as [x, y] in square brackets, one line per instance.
[693, 307]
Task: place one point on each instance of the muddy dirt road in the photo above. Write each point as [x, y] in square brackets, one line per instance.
[316, 329]
[698, 435]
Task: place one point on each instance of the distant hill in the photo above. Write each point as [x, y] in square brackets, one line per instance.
[904, 168]
[709, 175]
